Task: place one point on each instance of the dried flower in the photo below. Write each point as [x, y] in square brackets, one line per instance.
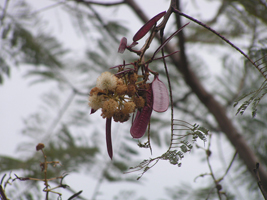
[132, 77]
[131, 90]
[96, 101]
[120, 81]
[96, 91]
[121, 89]
[129, 107]
[40, 146]
[119, 116]
[106, 81]
[109, 108]
[139, 102]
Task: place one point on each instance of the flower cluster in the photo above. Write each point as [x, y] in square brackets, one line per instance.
[117, 96]
[125, 92]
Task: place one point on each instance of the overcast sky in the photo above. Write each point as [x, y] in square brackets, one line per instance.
[18, 100]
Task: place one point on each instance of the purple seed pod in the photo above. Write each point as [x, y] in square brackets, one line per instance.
[147, 26]
[142, 118]
[123, 45]
[160, 95]
[108, 137]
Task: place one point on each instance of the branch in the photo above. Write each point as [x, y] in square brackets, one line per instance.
[208, 100]
[101, 3]
[256, 171]
[224, 39]
[216, 109]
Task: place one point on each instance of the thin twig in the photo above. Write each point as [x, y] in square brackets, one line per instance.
[228, 168]
[2, 17]
[210, 168]
[222, 37]
[101, 3]
[169, 85]
[256, 171]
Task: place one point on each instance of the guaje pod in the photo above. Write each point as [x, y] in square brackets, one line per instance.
[147, 26]
[142, 117]
[160, 95]
[123, 45]
[108, 137]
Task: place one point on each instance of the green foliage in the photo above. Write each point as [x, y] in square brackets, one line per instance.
[21, 46]
[253, 97]
[178, 146]
[64, 149]
[4, 69]
[185, 191]
[256, 96]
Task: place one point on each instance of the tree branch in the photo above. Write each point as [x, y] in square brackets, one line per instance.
[99, 3]
[208, 100]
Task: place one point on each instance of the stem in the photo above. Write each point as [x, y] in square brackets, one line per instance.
[223, 38]
[263, 191]
[213, 106]
[210, 168]
[45, 175]
[170, 87]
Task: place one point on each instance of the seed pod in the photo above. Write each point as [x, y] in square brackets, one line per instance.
[160, 95]
[108, 137]
[147, 26]
[142, 118]
[123, 45]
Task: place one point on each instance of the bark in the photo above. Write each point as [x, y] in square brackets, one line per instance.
[215, 108]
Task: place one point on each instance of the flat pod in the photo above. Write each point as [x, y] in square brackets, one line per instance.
[160, 95]
[147, 26]
[108, 137]
[142, 118]
[123, 45]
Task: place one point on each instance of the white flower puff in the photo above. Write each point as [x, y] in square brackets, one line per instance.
[106, 81]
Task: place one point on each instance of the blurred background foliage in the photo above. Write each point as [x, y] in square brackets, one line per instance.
[76, 139]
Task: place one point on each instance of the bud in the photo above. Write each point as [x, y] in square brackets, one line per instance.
[40, 146]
